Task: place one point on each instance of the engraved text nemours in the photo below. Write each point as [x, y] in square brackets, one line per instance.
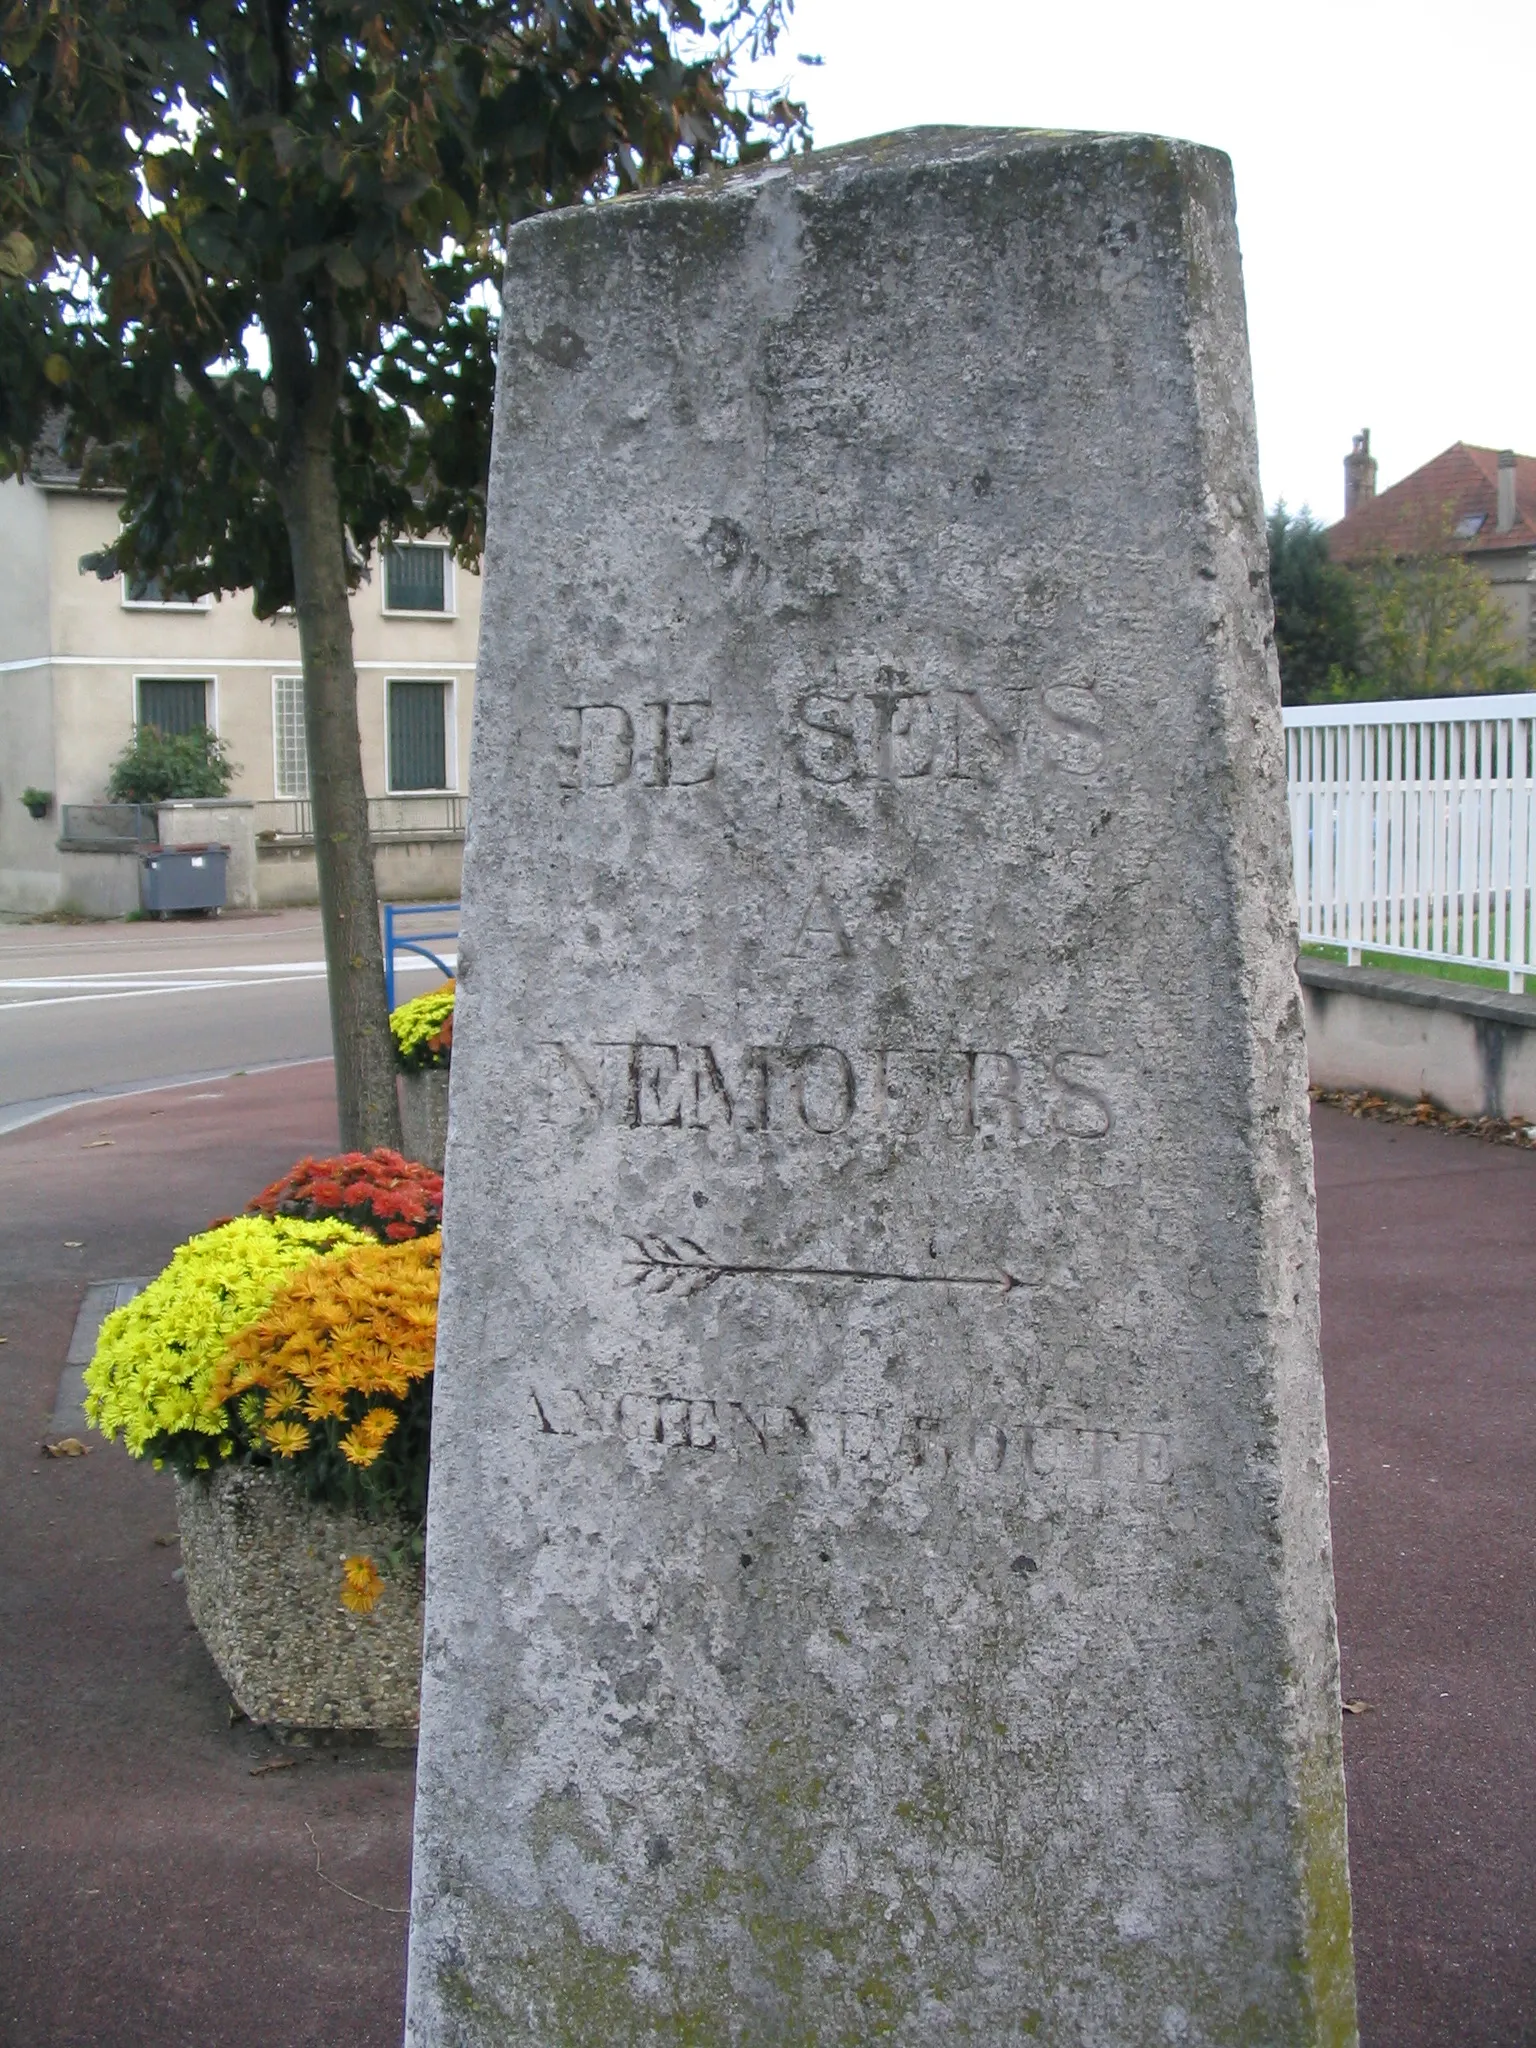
[962, 1092]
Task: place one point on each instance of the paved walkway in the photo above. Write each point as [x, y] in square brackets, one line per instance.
[1429, 1348]
[153, 1891]
[158, 1887]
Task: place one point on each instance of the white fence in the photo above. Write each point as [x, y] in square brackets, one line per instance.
[1412, 828]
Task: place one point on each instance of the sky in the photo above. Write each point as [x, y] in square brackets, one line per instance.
[1384, 183]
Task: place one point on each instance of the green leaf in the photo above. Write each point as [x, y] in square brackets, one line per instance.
[346, 269]
[18, 253]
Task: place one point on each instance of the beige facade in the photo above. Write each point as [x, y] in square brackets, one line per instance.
[1478, 503]
[81, 662]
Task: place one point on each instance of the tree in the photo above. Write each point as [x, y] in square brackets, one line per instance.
[1431, 626]
[251, 248]
[1317, 627]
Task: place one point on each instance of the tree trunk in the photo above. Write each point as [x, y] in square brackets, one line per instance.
[349, 904]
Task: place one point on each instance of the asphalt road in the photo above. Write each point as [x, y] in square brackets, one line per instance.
[91, 1009]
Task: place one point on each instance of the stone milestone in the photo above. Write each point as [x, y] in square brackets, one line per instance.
[879, 1580]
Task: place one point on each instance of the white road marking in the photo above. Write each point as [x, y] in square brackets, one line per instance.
[48, 991]
[16, 1116]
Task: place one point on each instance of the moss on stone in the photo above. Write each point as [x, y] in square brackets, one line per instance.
[1329, 1958]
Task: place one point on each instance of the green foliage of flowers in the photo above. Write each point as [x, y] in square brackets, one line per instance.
[149, 1380]
[423, 1029]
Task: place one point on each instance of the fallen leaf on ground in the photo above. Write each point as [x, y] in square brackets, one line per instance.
[1359, 1706]
[1426, 1115]
[91, 1144]
[74, 1244]
[276, 1763]
[165, 1542]
[67, 1447]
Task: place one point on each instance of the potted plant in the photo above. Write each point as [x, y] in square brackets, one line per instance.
[39, 802]
[281, 1366]
[423, 1033]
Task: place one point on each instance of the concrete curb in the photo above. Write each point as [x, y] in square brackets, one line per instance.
[1471, 1050]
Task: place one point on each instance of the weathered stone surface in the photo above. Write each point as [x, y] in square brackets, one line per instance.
[879, 1580]
[263, 1577]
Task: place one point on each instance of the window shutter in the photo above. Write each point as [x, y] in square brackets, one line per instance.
[173, 705]
[418, 736]
[415, 579]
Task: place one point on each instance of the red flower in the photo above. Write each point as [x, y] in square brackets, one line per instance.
[381, 1191]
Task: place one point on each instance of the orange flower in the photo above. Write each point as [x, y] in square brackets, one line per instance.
[352, 1330]
[365, 1440]
[361, 1585]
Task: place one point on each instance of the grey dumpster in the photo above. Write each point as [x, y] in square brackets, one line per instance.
[181, 878]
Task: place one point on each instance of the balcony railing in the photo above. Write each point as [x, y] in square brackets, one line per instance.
[107, 828]
[291, 819]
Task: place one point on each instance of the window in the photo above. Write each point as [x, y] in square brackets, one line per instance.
[416, 579]
[418, 735]
[290, 748]
[1470, 524]
[173, 704]
[145, 590]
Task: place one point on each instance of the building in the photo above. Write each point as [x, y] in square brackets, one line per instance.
[83, 661]
[1479, 503]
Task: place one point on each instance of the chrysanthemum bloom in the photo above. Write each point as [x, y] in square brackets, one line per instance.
[361, 1584]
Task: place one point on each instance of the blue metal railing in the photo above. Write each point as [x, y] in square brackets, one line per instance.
[411, 940]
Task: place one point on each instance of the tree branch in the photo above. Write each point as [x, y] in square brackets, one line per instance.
[248, 446]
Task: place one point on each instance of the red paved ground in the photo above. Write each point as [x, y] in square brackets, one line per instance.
[153, 1892]
[1429, 1347]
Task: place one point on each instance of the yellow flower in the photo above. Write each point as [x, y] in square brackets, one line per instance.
[287, 1438]
[156, 1369]
[361, 1585]
[413, 1023]
[363, 1443]
[377, 1424]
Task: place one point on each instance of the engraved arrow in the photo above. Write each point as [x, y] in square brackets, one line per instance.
[659, 1265]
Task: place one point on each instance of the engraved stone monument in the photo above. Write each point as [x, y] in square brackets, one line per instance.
[879, 1573]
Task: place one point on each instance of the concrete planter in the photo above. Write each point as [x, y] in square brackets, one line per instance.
[424, 1116]
[263, 1579]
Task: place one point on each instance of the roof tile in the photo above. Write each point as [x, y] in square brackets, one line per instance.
[1420, 514]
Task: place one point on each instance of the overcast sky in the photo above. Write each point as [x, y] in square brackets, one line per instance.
[1384, 165]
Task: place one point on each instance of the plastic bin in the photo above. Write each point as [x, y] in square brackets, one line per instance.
[181, 878]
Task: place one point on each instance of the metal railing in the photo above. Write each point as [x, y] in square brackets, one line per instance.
[389, 817]
[108, 828]
[1413, 828]
[403, 935]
